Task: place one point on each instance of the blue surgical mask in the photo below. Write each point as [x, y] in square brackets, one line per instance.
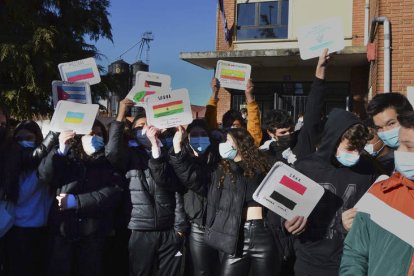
[347, 159]
[370, 149]
[167, 142]
[200, 144]
[404, 163]
[227, 151]
[390, 137]
[142, 138]
[27, 144]
[92, 144]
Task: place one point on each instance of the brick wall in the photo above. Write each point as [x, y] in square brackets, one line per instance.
[358, 21]
[401, 16]
[223, 104]
[359, 89]
[230, 11]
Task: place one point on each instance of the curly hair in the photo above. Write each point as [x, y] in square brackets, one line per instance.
[275, 119]
[357, 135]
[254, 161]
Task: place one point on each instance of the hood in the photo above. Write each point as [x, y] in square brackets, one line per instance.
[338, 122]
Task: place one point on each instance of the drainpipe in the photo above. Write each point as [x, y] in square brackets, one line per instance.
[366, 26]
[387, 49]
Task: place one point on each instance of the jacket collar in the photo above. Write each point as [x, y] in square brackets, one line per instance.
[395, 181]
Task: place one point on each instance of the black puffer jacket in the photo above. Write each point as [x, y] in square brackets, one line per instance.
[152, 184]
[153, 198]
[96, 187]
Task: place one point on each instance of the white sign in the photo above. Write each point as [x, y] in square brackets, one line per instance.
[287, 192]
[146, 84]
[84, 70]
[410, 94]
[74, 116]
[169, 109]
[77, 92]
[313, 38]
[233, 75]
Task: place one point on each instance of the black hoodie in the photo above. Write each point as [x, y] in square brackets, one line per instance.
[319, 248]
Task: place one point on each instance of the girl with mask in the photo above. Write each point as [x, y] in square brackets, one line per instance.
[202, 152]
[235, 224]
[86, 189]
[27, 239]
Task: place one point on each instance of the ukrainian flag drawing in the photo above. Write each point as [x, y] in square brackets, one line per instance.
[74, 117]
[167, 109]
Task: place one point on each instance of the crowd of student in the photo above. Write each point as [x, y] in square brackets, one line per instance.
[136, 200]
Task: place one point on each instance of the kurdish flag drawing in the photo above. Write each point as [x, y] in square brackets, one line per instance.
[74, 117]
[167, 109]
[231, 74]
[80, 75]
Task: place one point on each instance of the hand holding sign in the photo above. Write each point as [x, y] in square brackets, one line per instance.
[288, 193]
[233, 75]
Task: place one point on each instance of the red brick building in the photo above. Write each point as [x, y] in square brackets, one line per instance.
[263, 34]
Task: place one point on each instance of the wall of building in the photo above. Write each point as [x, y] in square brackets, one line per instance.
[401, 16]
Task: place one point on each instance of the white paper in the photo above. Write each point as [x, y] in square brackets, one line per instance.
[232, 74]
[74, 116]
[146, 84]
[169, 109]
[299, 194]
[84, 70]
[77, 92]
[313, 38]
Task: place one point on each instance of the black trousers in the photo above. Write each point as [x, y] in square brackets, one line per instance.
[82, 257]
[25, 251]
[160, 248]
[259, 254]
[205, 260]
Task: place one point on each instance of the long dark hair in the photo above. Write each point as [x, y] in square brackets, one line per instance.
[254, 161]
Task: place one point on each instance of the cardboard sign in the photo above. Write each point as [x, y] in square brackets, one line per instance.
[287, 192]
[146, 84]
[77, 92]
[233, 75]
[169, 109]
[84, 70]
[313, 38]
[74, 116]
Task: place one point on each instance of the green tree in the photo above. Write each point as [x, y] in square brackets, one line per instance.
[37, 35]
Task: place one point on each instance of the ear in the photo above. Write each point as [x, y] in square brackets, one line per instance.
[272, 135]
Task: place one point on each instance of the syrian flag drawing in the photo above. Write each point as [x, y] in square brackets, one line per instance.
[293, 186]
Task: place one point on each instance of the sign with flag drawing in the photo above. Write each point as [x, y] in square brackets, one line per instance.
[232, 74]
[146, 84]
[315, 37]
[73, 116]
[169, 109]
[287, 192]
[77, 92]
[84, 70]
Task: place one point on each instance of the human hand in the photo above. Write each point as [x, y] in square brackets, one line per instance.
[249, 91]
[64, 138]
[66, 201]
[124, 105]
[215, 87]
[178, 139]
[348, 218]
[296, 225]
[322, 63]
[152, 134]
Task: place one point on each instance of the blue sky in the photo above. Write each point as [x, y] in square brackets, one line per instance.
[177, 26]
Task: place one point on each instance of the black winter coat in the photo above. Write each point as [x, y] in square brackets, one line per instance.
[96, 187]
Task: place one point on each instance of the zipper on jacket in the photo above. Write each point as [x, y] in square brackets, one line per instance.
[241, 213]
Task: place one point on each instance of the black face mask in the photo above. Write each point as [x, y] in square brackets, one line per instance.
[284, 141]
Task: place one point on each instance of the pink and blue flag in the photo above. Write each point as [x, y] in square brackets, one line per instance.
[79, 75]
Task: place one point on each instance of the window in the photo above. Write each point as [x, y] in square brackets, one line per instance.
[262, 20]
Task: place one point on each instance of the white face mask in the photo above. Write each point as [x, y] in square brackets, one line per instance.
[227, 151]
[370, 149]
[404, 163]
